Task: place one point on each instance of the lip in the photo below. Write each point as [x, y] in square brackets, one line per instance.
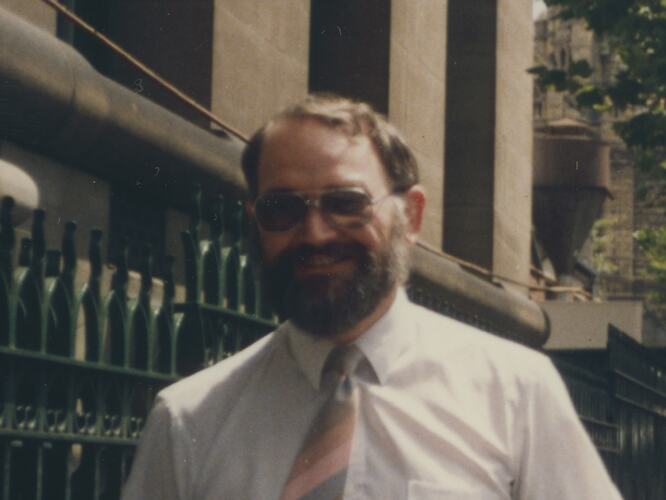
[319, 264]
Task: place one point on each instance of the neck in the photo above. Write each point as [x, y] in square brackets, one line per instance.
[364, 325]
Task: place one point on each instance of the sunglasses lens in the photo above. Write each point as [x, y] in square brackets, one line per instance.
[340, 208]
[346, 208]
[279, 211]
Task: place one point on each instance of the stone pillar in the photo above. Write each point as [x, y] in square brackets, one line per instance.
[260, 58]
[37, 13]
[417, 95]
[488, 176]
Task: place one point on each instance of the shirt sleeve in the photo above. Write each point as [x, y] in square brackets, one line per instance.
[161, 462]
[559, 460]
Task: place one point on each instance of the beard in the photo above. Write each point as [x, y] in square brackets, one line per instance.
[327, 305]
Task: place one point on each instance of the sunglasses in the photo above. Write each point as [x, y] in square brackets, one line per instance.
[342, 208]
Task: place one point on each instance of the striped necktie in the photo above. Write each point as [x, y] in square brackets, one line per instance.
[320, 469]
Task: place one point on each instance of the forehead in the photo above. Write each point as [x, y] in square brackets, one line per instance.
[306, 154]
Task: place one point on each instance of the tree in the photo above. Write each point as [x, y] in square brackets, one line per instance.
[635, 31]
[653, 244]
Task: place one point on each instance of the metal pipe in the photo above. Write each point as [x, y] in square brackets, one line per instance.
[54, 102]
[479, 302]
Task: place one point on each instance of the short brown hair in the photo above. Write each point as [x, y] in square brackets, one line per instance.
[352, 118]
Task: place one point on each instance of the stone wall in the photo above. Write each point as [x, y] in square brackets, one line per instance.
[618, 215]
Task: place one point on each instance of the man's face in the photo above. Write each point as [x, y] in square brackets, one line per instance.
[328, 278]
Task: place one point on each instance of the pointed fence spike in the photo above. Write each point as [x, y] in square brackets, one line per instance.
[38, 238]
[236, 226]
[121, 274]
[95, 254]
[243, 224]
[146, 269]
[192, 266]
[217, 220]
[169, 286]
[195, 215]
[52, 263]
[7, 239]
[25, 252]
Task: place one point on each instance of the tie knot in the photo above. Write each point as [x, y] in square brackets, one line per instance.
[343, 360]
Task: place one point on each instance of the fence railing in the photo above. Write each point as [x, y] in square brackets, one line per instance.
[620, 396]
[638, 381]
[80, 367]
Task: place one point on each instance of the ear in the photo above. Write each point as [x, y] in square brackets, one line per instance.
[415, 200]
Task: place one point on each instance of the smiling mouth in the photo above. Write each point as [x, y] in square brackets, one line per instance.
[323, 264]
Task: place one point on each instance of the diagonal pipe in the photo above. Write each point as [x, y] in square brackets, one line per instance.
[54, 102]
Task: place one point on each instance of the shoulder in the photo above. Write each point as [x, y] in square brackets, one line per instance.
[221, 382]
[466, 348]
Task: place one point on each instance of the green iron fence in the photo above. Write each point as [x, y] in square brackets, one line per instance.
[620, 395]
[638, 381]
[80, 367]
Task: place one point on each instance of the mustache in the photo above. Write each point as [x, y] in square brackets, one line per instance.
[304, 252]
[330, 250]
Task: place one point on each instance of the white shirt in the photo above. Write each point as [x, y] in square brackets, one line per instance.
[446, 411]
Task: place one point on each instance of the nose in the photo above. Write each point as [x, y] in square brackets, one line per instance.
[314, 229]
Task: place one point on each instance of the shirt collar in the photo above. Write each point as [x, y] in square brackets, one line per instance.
[309, 352]
[381, 344]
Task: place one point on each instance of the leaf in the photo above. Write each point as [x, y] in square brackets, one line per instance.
[580, 68]
[537, 70]
[626, 91]
[589, 96]
[646, 130]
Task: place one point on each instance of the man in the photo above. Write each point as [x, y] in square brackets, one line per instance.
[420, 407]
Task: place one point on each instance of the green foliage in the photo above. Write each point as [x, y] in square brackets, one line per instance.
[580, 68]
[635, 30]
[555, 79]
[590, 96]
[601, 238]
[645, 130]
[653, 244]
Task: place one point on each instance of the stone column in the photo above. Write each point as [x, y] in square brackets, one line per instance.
[417, 94]
[488, 176]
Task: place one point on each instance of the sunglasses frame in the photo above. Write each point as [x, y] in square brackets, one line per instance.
[313, 199]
